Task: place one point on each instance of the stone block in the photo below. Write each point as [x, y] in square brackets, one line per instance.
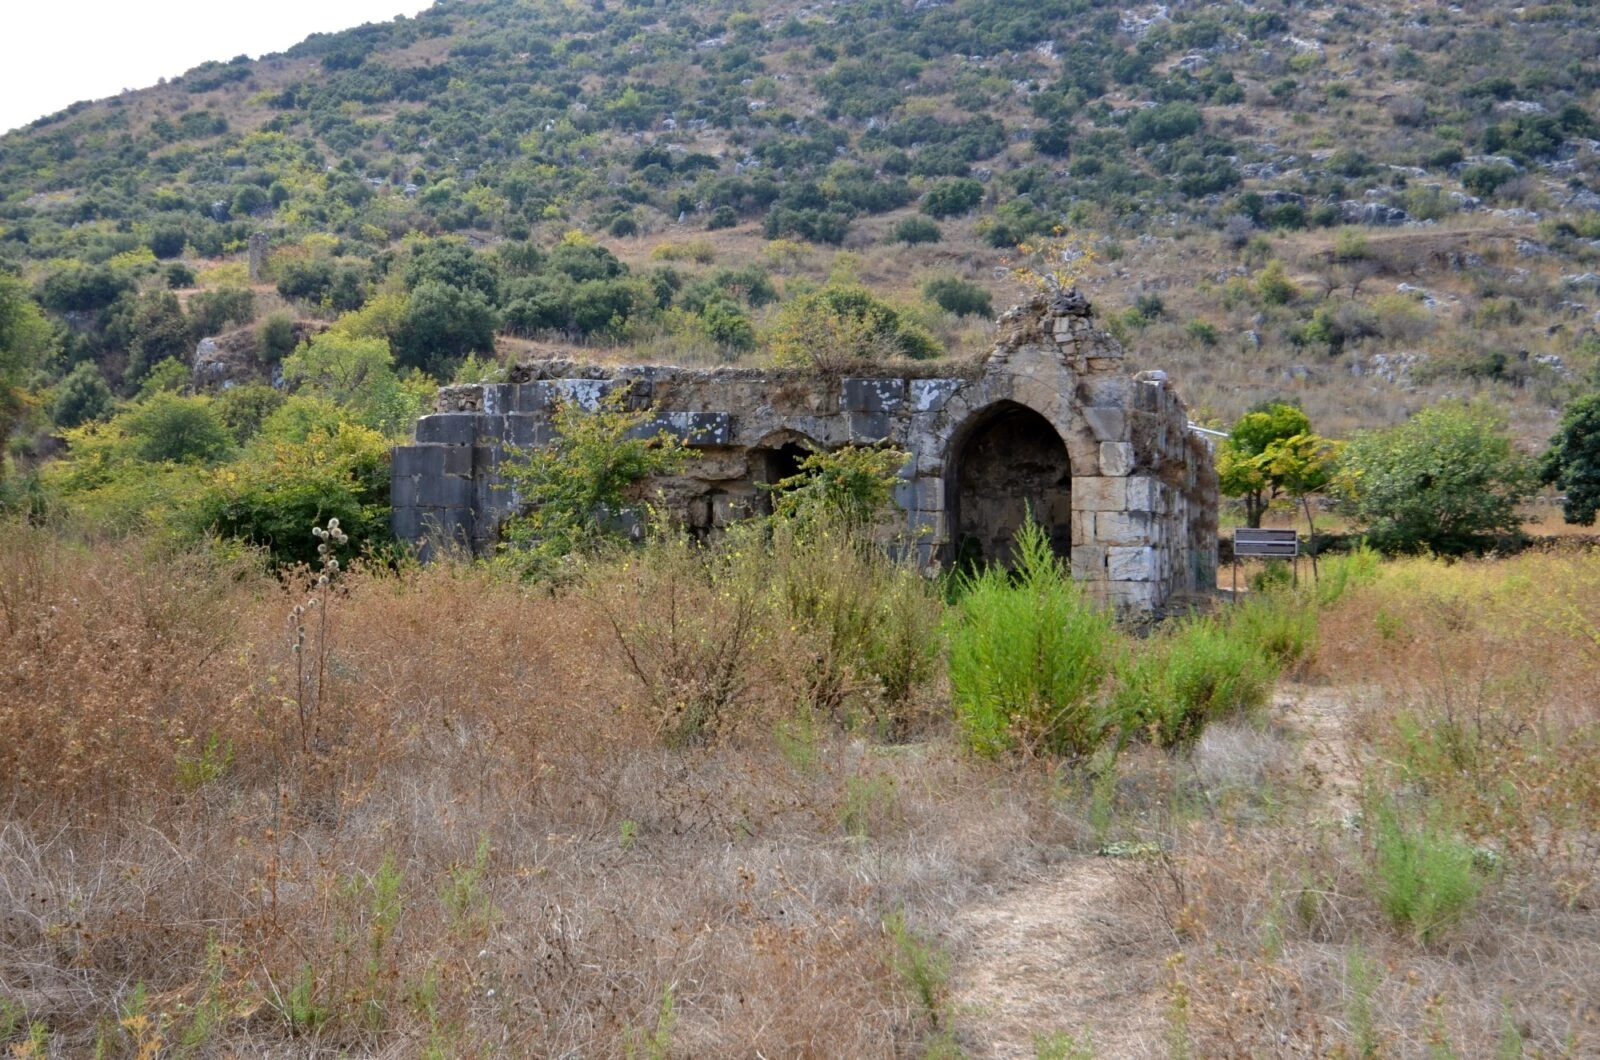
[1106, 424]
[448, 428]
[930, 495]
[403, 491]
[532, 397]
[458, 460]
[491, 428]
[496, 398]
[1107, 391]
[445, 491]
[695, 429]
[524, 431]
[1143, 494]
[926, 526]
[905, 495]
[1122, 528]
[407, 461]
[1089, 562]
[1099, 494]
[1082, 528]
[405, 522]
[587, 394]
[1116, 458]
[1149, 395]
[1134, 596]
[872, 395]
[1131, 564]
[447, 527]
[709, 429]
[930, 395]
[869, 427]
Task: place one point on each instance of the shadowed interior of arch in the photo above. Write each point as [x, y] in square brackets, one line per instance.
[1008, 462]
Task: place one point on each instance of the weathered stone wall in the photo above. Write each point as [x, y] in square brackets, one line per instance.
[1049, 421]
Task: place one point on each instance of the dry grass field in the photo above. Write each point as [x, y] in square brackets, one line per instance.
[449, 824]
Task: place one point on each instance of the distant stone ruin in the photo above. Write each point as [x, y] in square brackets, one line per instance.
[1048, 422]
[257, 256]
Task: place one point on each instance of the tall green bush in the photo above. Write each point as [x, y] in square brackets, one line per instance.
[1174, 684]
[1448, 480]
[1028, 656]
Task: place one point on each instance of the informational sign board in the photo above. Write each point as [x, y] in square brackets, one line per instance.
[1265, 544]
[1278, 544]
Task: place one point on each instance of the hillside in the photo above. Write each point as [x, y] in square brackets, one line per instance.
[1424, 174]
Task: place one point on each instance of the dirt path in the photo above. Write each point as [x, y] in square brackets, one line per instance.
[1068, 953]
[1059, 955]
[1319, 716]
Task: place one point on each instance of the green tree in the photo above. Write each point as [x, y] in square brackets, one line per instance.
[443, 324]
[26, 340]
[955, 295]
[839, 325]
[1302, 466]
[173, 429]
[1572, 463]
[951, 197]
[81, 396]
[152, 328]
[1241, 470]
[1447, 480]
[914, 230]
[574, 489]
[847, 487]
[358, 374]
[280, 489]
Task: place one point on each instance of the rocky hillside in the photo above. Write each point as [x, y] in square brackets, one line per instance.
[1364, 206]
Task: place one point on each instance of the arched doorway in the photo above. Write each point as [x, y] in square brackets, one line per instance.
[1007, 462]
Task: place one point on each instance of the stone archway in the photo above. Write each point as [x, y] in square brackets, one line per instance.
[1008, 461]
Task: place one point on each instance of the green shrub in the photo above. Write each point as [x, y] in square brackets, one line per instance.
[957, 296]
[1175, 684]
[1203, 332]
[1282, 627]
[179, 430]
[83, 395]
[575, 488]
[840, 324]
[1274, 287]
[1028, 655]
[212, 312]
[914, 230]
[1448, 480]
[1424, 877]
[275, 338]
[952, 196]
[275, 494]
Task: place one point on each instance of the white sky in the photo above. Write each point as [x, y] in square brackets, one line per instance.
[56, 52]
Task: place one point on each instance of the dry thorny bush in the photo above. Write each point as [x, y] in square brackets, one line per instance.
[473, 839]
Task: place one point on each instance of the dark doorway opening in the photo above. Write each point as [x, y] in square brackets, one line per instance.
[776, 464]
[1010, 462]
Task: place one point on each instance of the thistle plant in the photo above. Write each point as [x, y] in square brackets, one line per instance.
[310, 673]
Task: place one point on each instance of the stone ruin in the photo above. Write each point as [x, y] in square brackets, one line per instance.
[1049, 421]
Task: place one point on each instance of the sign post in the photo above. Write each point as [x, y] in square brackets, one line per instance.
[1268, 544]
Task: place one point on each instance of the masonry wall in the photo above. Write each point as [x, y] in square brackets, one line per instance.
[1142, 488]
